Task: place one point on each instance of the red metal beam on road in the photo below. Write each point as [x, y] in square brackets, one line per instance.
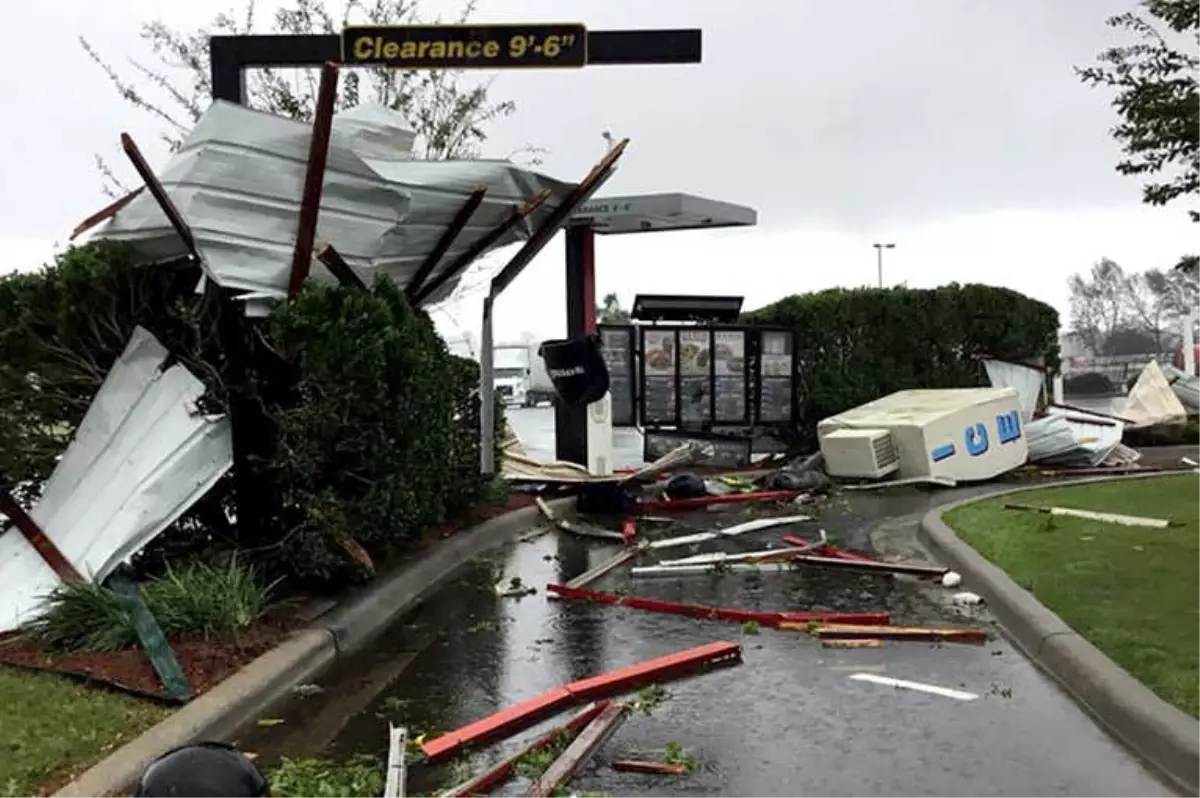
[644, 766]
[488, 780]
[761, 617]
[314, 178]
[667, 505]
[581, 749]
[912, 569]
[828, 550]
[525, 714]
[847, 632]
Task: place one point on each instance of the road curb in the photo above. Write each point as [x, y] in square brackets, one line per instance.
[1165, 737]
[354, 622]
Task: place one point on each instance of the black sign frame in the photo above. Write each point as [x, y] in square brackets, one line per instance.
[543, 45]
[743, 442]
[631, 361]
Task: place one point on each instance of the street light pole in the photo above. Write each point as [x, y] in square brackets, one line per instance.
[879, 248]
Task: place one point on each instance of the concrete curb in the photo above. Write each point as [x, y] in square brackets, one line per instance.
[354, 622]
[1165, 737]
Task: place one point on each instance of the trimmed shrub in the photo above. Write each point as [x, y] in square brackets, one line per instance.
[853, 346]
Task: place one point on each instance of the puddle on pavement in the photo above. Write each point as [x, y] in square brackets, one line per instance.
[467, 653]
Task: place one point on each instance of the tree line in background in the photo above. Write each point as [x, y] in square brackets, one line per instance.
[1114, 312]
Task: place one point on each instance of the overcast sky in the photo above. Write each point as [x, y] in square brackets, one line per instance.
[954, 128]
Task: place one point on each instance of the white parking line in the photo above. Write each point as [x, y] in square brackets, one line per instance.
[924, 688]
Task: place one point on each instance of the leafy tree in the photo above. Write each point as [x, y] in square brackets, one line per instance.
[1115, 313]
[449, 113]
[610, 311]
[1156, 97]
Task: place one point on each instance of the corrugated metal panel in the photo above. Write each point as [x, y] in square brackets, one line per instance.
[142, 456]
[238, 180]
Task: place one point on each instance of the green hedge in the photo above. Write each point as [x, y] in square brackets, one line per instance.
[853, 346]
[379, 437]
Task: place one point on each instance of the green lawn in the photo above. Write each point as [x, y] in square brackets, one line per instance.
[51, 727]
[1131, 591]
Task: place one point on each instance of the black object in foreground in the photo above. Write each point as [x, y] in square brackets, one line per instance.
[201, 770]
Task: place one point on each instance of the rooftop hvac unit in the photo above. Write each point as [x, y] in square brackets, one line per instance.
[860, 453]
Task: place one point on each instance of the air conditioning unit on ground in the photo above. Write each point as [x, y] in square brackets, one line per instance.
[859, 453]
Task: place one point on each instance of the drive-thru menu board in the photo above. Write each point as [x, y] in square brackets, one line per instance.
[728, 452]
[658, 375]
[695, 377]
[730, 376]
[776, 367]
[616, 345]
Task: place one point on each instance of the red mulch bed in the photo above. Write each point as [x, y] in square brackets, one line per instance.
[205, 661]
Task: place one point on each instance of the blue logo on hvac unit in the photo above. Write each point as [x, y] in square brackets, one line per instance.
[975, 437]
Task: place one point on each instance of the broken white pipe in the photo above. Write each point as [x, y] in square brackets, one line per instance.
[733, 531]
[742, 556]
[932, 689]
[1056, 389]
[712, 569]
[1091, 515]
[394, 782]
[951, 579]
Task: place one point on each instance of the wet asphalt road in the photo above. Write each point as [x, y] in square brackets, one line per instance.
[788, 721]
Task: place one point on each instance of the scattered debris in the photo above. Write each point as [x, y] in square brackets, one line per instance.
[574, 528]
[267, 723]
[869, 643]
[521, 716]
[592, 574]
[488, 780]
[761, 617]
[967, 598]
[394, 780]
[682, 505]
[307, 690]
[513, 587]
[729, 532]
[932, 689]
[709, 569]
[750, 628]
[647, 766]
[863, 564]
[951, 579]
[762, 556]
[933, 481]
[649, 698]
[594, 735]
[1091, 515]
[1189, 462]
[855, 631]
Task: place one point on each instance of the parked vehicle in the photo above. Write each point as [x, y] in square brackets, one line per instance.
[520, 375]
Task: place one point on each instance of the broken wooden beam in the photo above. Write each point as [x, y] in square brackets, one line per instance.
[488, 780]
[482, 245]
[333, 260]
[456, 226]
[581, 530]
[864, 632]
[581, 749]
[394, 782]
[592, 574]
[165, 203]
[523, 715]
[646, 766]
[314, 178]
[762, 617]
[873, 642]
[38, 539]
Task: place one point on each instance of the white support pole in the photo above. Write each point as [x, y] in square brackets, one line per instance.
[600, 436]
[1058, 389]
[487, 394]
[1189, 344]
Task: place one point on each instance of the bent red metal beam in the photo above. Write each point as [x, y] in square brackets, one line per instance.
[488, 780]
[559, 217]
[37, 538]
[333, 260]
[105, 213]
[174, 217]
[314, 178]
[525, 714]
[581, 749]
[483, 244]
[828, 550]
[667, 505]
[762, 617]
[456, 226]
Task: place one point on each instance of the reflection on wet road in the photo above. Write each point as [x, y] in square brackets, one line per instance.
[788, 721]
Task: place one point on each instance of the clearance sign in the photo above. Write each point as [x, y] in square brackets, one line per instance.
[541, 46]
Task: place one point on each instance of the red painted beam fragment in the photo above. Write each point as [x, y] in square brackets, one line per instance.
[828, 550]
[731, 498]
[314, 178]
[629, 528]
[527, 713]
[488, 780]
[761, 617]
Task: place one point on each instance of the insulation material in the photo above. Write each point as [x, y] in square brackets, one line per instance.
[964, 434]
[239, 176]
[1151, 401]
[1027, 380]
[141, 457]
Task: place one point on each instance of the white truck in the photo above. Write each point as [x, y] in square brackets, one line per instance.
[519, 375]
